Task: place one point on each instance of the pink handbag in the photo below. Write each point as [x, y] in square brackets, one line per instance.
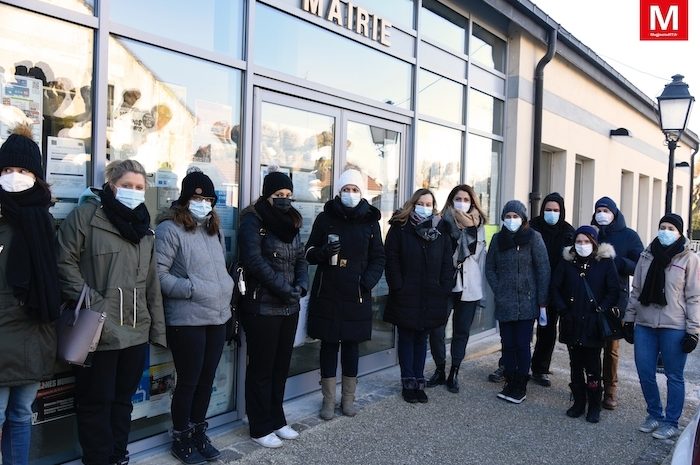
[79, 330]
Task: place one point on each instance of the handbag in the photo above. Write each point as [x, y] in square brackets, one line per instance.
[79, 330]
[608, 322]
[233, 328]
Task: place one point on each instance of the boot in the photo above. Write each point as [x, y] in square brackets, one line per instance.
[452, 382]
[438, 377]
[347, 393]
[183, 448]
[610, 398]
[518, 392]
[594, 392]
[420, 391]
[578, 393]
[508, 387]
[328, 390]
[202, 442]
[408, 391]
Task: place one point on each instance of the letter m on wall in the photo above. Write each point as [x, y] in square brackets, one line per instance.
[663, 19]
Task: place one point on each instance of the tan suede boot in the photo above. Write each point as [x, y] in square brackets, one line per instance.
[347, 400]
[328, 407]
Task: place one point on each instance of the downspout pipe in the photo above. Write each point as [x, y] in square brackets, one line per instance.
[536, 195]
[690, 196]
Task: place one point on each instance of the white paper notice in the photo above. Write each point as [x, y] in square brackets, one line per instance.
[66, 167]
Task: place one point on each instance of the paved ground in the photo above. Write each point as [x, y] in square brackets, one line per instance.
[472, 427]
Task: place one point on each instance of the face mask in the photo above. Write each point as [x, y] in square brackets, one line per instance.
[16, 182]
[513, 224]
[350, 199]
[551, 218]
[463, 206]
[603, 218]
[667, 237]
[422, 211]
[282, 204]
[584, 250]
[200, 208]
[131, 198]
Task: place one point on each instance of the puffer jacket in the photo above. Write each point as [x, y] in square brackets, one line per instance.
[682, 294]
[122, 277]
[271, 268]
[578, 325]
[191, 266]
[27, 345]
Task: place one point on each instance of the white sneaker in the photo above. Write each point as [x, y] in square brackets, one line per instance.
[286, 432]
[271, 441]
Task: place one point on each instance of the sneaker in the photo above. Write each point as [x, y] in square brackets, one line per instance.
[648, 426]
[505, 392]
[516, 396]
[541, 379]
[421, 396]
[271, 441]
[497, 376]
[664, 432]
[286, 432]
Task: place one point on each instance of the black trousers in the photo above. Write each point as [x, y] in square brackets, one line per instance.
[270, 340]
[544, 346]
[103, 402]
[196, 354]
[349, 358]
[585, 364]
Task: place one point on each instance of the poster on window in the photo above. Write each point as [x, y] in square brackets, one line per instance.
[66, 163]
[222, 388]
[55, 399]
[22, 102]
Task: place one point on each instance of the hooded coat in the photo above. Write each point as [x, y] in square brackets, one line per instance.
[556, 236]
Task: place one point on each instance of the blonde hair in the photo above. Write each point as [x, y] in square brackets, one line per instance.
[402, 215]
[118, 168]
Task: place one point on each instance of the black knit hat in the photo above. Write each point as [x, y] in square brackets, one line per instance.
[275, 181]
[590, 231]
[196, 183]
[21, 151]
[674, 219]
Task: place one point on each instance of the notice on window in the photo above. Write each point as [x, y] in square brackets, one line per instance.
[22, 102]
[66, 168]
[55, 399]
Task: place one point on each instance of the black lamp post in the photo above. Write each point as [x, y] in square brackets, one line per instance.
[675, 103]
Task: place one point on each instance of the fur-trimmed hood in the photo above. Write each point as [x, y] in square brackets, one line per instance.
[605, 250]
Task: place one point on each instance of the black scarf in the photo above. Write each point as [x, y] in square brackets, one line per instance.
[508, 240]
[427, 228]
[279, 223]
[131, 224]
[654, 287]
[31, 263]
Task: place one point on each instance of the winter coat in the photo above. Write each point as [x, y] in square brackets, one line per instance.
[420, 276]
[519, 278]
[682, 292]
[194, 281]
[340, 305]
[556, 236]
[27, 345]
[578, 325]
[627, 246]
[122, 277]
[271, 267]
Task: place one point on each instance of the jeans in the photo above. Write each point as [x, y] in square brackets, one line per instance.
[648, 343]
[16, 421]
[462, 318]
[585, 364]
[515, 341]
[412, 348]
[349, 358]
[544, 346]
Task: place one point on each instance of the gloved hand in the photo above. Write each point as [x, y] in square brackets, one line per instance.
[628, 332]
[689, 343]
[295, 295]
[331, 248]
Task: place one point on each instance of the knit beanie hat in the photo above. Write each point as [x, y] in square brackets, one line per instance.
[21, 151]
[275, 181]
[196, 183]
[608, 203]
[352, 177]
[515, 206]
[674, 219]
[589, 231]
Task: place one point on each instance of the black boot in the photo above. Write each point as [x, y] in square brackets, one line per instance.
[202, 442]
[438, 377]
[183, 448]
[409, 390]
[421, 396]
[507, 390]
[595, 393]
[578, 393]
[452, 382]
[518, 392]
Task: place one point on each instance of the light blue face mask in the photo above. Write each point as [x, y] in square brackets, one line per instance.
[350, 199]
[512, 224]
[551, 218]
[131, 198]
[423, 212]
[200, 209]
[667, 237]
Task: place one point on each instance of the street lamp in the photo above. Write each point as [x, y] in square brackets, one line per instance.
[675, 103]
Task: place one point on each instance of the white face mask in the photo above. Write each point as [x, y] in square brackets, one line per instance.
[513, 224]
[462, 206]
[131, 198]
[604, 218]
[422, 211]
[584, 250]
[350, 199]
[16, 182]
[200, 208]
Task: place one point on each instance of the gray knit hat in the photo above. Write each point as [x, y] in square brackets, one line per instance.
[515, 206]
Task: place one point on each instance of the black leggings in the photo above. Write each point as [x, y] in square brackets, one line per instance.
[196, 353]
[349, 357]
[585, 364]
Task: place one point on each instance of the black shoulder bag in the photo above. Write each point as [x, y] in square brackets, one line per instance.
[609, 322]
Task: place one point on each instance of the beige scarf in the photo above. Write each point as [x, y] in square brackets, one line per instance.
[467, 220]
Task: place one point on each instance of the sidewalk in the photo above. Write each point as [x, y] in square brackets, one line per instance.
[472, 427]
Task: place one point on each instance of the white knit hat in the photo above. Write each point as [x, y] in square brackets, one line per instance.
[353, 177]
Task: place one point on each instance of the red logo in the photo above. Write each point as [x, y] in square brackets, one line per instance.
[663, 19]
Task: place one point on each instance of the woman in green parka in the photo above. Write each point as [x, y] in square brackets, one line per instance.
[107, 243]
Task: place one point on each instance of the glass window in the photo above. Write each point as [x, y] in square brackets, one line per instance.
[487, 49]
[437, 59]
[46, 80]
[399, 12]
[81, 6]
[215, 25]
[440, 97]
[483, 159]
[443, 26]
[438, 155]
[311, 53]
[485, 112]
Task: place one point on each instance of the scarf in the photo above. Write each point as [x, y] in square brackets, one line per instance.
[654, 287]
[279, 223]
[32, 253]
[508, 240]
[426, 228]
[131, 224]
[463, 229]
[466, 220]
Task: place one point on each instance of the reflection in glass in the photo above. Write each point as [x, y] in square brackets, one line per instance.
[311, 53]
[446, 28]
[485, 112]
[399, 12]
[214, 25]
[483, 157]
[437, 164]
[81, 6]
[487, 49]
[440, 97]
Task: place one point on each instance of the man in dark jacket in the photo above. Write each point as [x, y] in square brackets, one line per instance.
[557, 234]
[628, 246]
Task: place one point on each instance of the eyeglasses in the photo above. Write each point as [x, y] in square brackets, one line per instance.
[199, 198]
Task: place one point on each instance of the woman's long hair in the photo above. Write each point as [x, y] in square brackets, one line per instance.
[183, 217]
[404, 213]
[449, 203]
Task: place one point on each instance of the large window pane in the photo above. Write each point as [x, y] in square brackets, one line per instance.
[483, 156]
[443, 26]
[438, 154]
[215, 25]
[440, 97]
[485, 112]
[81, 6]
[399, 12]
[311, 53]
[487, 49]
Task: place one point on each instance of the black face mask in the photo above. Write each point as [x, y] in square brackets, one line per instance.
[282, 204]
